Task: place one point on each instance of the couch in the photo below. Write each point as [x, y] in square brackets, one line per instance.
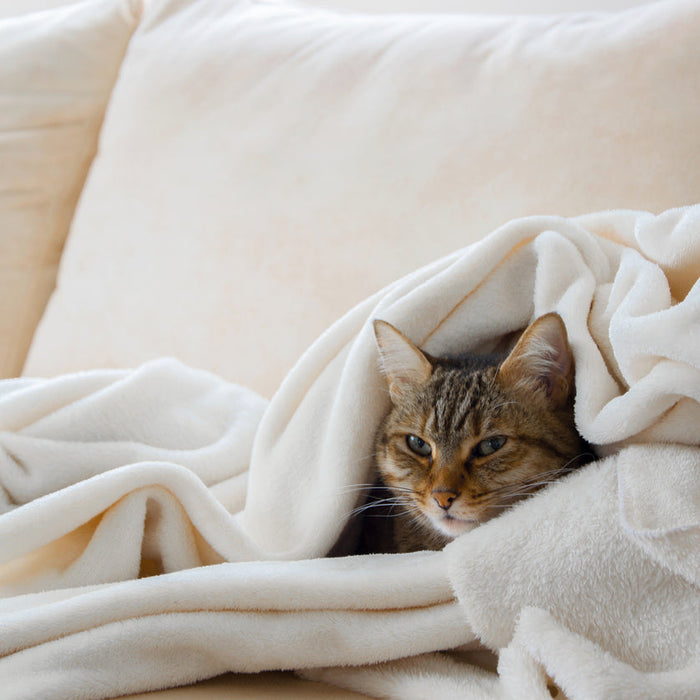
[221, 181]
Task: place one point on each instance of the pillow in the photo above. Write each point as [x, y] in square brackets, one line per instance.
[57, 69]
[264, 166]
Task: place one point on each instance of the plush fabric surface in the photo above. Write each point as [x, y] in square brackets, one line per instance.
[56, 73]
[476, 6]
[111, 475]
[263, 167]
[279, 685]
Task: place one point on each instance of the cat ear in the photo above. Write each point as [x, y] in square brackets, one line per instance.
[404, 365]
[541, 361]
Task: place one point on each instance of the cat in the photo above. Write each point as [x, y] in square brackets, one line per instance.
[468, 436]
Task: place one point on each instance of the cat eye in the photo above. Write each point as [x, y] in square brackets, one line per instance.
[489, 446]
[418, 445]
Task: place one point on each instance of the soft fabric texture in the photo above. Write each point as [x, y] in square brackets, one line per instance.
[57, 70]
[593, 582]
[263, 167]
[510, 7]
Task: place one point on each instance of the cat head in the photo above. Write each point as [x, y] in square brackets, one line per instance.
[469, 436]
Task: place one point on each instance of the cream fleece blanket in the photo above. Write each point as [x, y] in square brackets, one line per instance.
[109, 476]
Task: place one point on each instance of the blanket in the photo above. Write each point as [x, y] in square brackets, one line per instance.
[159, 525]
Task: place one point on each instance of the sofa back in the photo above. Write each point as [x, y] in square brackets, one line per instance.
[264, 166]
[57, 70]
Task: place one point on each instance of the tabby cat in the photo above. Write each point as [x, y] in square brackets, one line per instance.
[468, 436]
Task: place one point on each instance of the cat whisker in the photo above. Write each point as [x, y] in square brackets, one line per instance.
[520, 489]
[506, 403]
[553, 475]
[388, 506]
[354, 488]
[495, 377]
[384, 499]
[391, 514]
[403, 489]
[513, 496]
[379, 503]
[527, 487]
[390, 497]
[411, 506]
[577, 457]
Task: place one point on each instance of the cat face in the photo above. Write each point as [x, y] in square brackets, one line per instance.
[468, 437]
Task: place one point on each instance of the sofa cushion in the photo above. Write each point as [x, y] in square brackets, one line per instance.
[57, 69]
[264, 166]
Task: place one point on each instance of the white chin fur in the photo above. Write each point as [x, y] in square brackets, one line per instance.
[452, 527]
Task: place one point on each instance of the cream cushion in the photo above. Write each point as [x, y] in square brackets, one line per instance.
[57, 70]
[264, 166]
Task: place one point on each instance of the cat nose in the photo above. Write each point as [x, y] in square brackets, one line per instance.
[444, 498]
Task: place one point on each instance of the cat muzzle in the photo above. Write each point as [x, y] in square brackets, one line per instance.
[444, 498]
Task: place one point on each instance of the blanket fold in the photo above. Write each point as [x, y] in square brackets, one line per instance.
[579, 554]
[247, 617]
[110, 477]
